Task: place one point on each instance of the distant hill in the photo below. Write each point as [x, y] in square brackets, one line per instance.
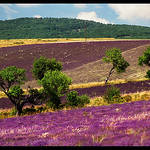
[27, 28]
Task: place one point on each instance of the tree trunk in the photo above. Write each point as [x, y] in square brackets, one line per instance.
[111, 71]
[19, 110]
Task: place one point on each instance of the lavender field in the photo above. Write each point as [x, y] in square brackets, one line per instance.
[114, 125]
[72, 55]
[125, 124]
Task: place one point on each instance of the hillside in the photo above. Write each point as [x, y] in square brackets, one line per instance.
[28, 28]
[81, 60]
[98, 70]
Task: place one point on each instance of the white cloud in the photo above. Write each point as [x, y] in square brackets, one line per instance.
[80, 5]
[91, 16]
[132, 12]
[25, 5]
[37, 16]
[8, 10]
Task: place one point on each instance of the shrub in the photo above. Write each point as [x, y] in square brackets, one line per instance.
[145, 96]
[84, 99]
[40, 109]
[112, 95]
[148, 74]
[72, 98]
[21, 42]
[127, 98]
[61, 106]
[5, 114]
[13, 111]
[117, 99]
[54, 102]
[29, 110]
[39, 39]
[96, 101]
[75, 100]
[136, 97]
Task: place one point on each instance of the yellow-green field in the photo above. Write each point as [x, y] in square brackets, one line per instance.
[102, 83]
[15, 42]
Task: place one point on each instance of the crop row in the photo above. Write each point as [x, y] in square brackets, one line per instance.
[72, 55]
[114, 125]
[129, 87]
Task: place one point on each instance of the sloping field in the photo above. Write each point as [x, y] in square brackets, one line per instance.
[81, 61]
[114, 125]
[98, 70]
[124, 124]
[84, 57]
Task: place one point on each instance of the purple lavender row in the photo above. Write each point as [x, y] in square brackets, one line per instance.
[125, 88]
[114, 125]
[130, 87]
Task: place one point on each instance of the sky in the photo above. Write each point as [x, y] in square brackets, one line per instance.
[113, 13]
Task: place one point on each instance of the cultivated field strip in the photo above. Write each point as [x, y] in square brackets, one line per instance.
[114, 125]
[96, 91]
[72, 55]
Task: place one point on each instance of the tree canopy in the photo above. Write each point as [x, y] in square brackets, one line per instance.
[48, 74]
[115, 57]
[10, 76]
[55, 84]
[145, 59]
[43, 64]
[28, 28]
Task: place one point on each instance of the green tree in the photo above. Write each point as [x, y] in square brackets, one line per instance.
[145, 59]
[48, 74]
[55, 84]
[43, 64]
[115, 57]
[11, 79]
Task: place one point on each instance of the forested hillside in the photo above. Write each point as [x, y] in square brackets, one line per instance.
[27, 28]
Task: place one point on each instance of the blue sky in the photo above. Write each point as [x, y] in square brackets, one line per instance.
[133, 14]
